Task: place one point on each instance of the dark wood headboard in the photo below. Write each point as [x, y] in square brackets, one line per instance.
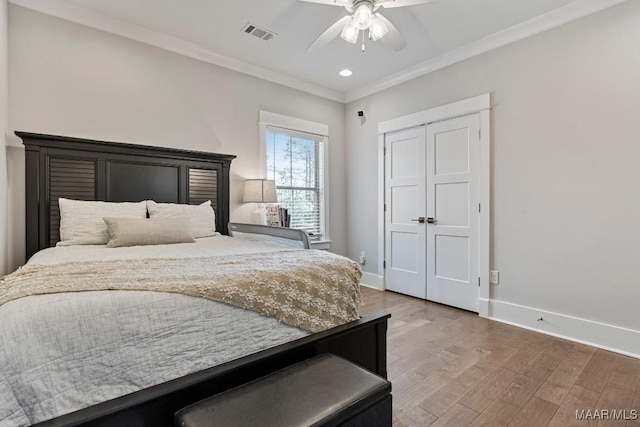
[83, 169]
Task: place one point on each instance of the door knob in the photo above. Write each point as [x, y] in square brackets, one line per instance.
[430, 220]
[420, 220]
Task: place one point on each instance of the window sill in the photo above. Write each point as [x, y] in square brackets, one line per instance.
[320, 244]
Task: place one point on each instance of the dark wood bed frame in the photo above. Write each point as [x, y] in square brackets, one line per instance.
[83, 169]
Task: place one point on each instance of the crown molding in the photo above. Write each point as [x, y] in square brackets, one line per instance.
[555, 18]
[78, 15]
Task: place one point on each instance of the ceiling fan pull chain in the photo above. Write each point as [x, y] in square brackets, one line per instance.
[363, 47]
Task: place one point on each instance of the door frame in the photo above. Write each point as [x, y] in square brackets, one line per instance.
[481, 105]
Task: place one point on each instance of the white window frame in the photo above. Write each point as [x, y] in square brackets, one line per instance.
[268, 118]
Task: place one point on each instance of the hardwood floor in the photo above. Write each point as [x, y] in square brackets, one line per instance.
[450, 367]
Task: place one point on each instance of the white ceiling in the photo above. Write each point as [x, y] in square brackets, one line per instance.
[437, 34]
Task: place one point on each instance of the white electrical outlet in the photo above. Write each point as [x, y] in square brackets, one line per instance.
[363, 258]
[494, 277]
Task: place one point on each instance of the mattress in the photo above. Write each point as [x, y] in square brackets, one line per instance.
[63, 352]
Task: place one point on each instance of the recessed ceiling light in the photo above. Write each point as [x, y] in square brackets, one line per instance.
[346, 73]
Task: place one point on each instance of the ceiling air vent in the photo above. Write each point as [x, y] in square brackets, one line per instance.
[258, 32]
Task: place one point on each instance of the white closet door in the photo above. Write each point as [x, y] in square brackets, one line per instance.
[405, 244]
[452, 153]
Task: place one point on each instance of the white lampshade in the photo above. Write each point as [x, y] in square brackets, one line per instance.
[362, 16]
[350, 32]
[260, 191]
[377, 28]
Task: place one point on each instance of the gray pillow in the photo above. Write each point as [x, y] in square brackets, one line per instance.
[140, 232]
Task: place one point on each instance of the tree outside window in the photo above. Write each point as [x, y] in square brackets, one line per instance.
[294, 161]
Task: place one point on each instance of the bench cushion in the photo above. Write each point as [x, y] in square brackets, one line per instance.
[324, 390]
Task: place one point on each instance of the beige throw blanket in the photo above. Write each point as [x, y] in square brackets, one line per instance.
[309, 289]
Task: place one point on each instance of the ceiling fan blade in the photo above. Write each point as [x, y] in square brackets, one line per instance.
[393, 39]
[332, 2]
[398, 3]
[329, 34]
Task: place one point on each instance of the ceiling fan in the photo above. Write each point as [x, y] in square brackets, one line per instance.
[364, 17]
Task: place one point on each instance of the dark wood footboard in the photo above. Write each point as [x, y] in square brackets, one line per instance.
[363, 342]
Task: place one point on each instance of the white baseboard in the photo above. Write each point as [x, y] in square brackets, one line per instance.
[483, 307]
[608, 337]
[371, 280]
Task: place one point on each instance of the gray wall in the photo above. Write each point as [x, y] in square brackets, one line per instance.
[4, 245]
[564, 141]
[67, 79]
[565, 174]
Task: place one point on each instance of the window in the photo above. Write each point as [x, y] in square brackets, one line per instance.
[294, 152]
[294, 161]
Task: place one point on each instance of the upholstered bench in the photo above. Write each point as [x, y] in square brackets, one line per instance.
[323, 391]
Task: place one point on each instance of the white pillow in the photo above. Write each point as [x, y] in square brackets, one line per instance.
[201, 217]
[81, 221]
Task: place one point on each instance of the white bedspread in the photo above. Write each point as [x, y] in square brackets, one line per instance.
[63, 352]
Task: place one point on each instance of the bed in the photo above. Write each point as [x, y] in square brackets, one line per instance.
[196, 351]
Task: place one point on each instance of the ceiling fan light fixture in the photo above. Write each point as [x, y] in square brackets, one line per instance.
[378, 28]
[350, 32]
[362, 16]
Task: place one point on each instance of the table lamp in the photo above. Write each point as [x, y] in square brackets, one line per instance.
[260, 191]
